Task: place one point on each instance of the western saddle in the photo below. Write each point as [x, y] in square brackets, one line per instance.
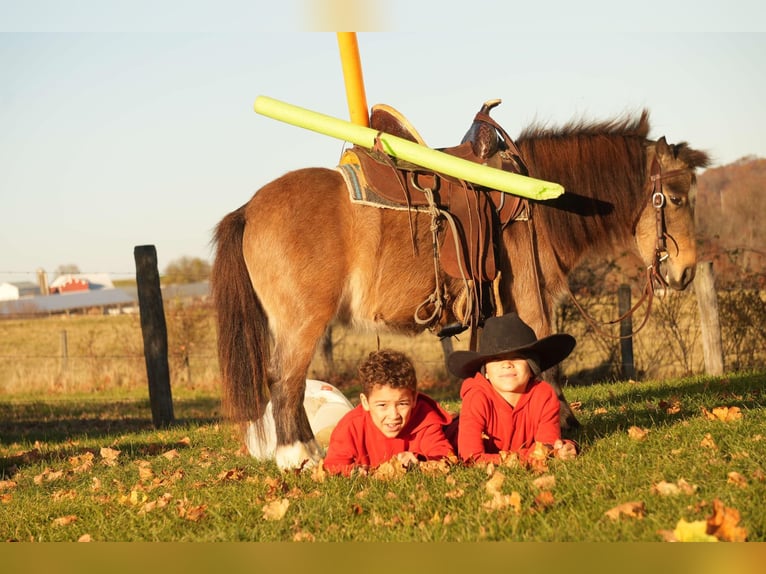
[467, 219]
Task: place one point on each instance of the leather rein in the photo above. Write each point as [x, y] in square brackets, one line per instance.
[653, 274]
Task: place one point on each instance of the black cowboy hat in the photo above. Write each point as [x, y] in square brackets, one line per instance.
[506, 337]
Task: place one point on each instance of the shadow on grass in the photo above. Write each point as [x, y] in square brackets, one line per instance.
[58, 421]
[657, 404]
[63, 423]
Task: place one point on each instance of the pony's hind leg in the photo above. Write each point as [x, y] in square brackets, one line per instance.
[296, 445]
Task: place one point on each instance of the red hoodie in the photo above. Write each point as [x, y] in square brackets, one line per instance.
[356, 441]
[489, 424]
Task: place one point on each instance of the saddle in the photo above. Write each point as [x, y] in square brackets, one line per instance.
[470, 217]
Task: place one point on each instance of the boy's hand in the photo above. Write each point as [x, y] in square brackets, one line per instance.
[407, 458]
[564, 450]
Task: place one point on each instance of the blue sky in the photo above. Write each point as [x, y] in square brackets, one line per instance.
[125, 124]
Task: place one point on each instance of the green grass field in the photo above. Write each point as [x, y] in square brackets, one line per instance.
[680, 457]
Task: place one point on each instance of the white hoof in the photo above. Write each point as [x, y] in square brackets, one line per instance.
[299, 455]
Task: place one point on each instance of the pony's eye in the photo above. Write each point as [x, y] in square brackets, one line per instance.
[676, 200]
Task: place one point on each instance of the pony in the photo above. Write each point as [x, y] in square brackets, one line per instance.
[300, 255]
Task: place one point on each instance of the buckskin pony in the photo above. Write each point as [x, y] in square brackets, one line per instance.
[300, 254]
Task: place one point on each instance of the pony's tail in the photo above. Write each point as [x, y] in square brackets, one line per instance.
[243, 330]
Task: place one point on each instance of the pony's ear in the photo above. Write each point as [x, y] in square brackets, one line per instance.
[661, 147]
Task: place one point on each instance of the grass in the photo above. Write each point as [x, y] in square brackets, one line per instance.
[92, 465]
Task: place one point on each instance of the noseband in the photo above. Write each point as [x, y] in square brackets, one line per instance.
[658, 202]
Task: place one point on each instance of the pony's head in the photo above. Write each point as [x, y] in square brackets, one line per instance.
[665, 228]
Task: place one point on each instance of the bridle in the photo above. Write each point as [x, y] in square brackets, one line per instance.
[653, 275]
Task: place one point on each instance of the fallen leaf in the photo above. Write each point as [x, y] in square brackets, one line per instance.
[546, 482]
[600, 411]
[186, 441]
[192, 513]
[7, 484]
[637, 433]
[737, 479]
[544, 500]
[85, 538]
[688, 532]
[64, 520]
[109, 456]
[276, 509]
[723, 414]
[629, 509]
[145, 472]
[82, 463]
[231, 475]
[390, 470]
[664, 488]
[435, 467]
[318, 472]
[501, 501]
[457, 493]
[759, 475]
[575, 406]
[171, 454]
[708, 442]
[495, 483]
[303, 536]
[723, 523]
[64, 495]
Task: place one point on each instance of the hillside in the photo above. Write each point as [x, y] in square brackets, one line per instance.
[730, 205]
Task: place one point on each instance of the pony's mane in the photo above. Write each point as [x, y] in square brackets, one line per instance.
[625, 126]
[602, 166]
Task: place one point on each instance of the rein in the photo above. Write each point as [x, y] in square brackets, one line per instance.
[652, 271]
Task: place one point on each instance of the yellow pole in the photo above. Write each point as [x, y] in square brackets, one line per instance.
[352, 76]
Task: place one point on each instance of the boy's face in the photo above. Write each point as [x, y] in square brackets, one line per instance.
[509, 375]
[390, 408]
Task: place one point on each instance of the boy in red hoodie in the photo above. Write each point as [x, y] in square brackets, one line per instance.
[506, 406]
[393, 419]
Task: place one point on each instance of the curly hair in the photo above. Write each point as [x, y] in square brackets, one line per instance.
[387, 367]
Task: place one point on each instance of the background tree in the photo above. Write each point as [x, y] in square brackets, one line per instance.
[66, 269]
[186, 270]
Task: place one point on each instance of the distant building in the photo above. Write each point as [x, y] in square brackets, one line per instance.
[74, 282]
[11, 291]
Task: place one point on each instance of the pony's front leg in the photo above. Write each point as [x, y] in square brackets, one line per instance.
[296, 445]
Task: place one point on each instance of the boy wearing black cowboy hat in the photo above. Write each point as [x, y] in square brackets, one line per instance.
[505, 405]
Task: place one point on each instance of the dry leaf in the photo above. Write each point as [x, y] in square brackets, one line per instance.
[7, 484]
[737, 479]
[186, 441]
[276, 509]
[637, 433]
[600, 411]
[64, 520]
[85, 538]
[82, 463]
[302, 536]
[192, 513]
[435, 467]
[390, 470]
[665, 488]
[64, 495]
[546, 482]
[109, 456]
[708, 442]
[457, 493]
[495, 483]
[145, 471]
[171, 454]
[318, 472]
[544, 500]
[723, 523]
[688, 532]
[629, 509]
[575, 406]
[501, 501]
[233, 475]
[723, 414]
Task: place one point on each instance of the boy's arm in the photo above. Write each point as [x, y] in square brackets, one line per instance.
[433, 443]
[472, 427]
[342, 452]
[548, 429]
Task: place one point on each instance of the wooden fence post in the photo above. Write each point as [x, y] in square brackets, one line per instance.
[626, 330]
[155, 334]
[710, 327]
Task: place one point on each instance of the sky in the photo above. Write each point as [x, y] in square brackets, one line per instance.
[132, 123]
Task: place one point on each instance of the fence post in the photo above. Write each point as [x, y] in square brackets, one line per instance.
[64, 362]
[626, 330]
[155, 334]
[710, 327]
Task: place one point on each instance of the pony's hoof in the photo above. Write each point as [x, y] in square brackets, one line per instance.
[299, 455]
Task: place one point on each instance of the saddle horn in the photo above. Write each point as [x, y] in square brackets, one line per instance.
[482, 135]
